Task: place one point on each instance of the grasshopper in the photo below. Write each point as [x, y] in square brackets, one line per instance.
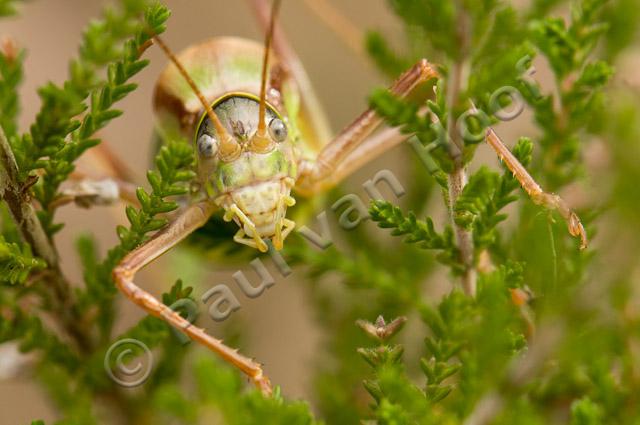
[260, 135]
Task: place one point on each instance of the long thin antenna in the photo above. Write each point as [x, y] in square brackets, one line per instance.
[260, 142]
[342, 27]
[229, 148]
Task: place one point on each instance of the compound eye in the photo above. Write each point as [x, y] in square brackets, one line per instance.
[207, 146]
[278, 130]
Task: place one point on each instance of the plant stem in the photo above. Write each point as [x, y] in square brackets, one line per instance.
[554, 254]
[464, 237]
[31, 231]
[21, 210]
[457, 179]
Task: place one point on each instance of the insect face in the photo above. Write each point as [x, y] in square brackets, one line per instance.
[254, 187]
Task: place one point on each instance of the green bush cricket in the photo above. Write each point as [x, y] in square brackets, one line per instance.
[261, 136]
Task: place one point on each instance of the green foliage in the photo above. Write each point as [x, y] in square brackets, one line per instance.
[422, 233]
[385, 57]
[57, 138]
[174, 164]
[622, 16]
[33, 335]
[17, 262]
[478, 206]
[528, 269]
[585, 412]
[429, 128]
[579, 82]
[220, 387]
[567, 48]
[454, 351]
[65, 127]
[11, 74]
[435, 20]
[550, 333]
[397, 400]
[8, 7]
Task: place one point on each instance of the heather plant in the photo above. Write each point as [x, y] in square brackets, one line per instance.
[531, 329]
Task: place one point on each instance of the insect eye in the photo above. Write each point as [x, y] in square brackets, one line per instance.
[278, 130]
[207, 146]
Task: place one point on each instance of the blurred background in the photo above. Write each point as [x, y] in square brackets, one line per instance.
[278, 328]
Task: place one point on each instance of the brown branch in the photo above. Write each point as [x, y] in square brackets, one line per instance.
[21, 209]
[457, 180]
[464, 238]
[31, 231]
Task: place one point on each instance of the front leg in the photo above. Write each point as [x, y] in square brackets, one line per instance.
[368, 150]
[188, 221]
[254, 240]
[337, 155]
[550, 201]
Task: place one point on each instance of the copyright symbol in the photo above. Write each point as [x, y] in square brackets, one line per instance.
[122, 373]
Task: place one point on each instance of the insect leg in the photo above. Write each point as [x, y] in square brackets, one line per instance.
[87, 192]
[282, 226]
[550, 201]
[289, 226]
[339, 149]
[369, 149]
[278, 239]
[255, 241]
[111, 183]
[188, 221]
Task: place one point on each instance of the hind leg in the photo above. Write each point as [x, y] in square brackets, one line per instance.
[187, 222]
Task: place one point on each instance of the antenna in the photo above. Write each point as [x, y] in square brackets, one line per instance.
[260, 142]
[229, 148]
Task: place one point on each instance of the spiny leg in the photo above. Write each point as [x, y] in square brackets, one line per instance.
[241, 237]
[278, 240]
[188, 221]
[538, 196]
[289, 226]
[371, 148]
[357, 133]
[234, 211]
[281, 222]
